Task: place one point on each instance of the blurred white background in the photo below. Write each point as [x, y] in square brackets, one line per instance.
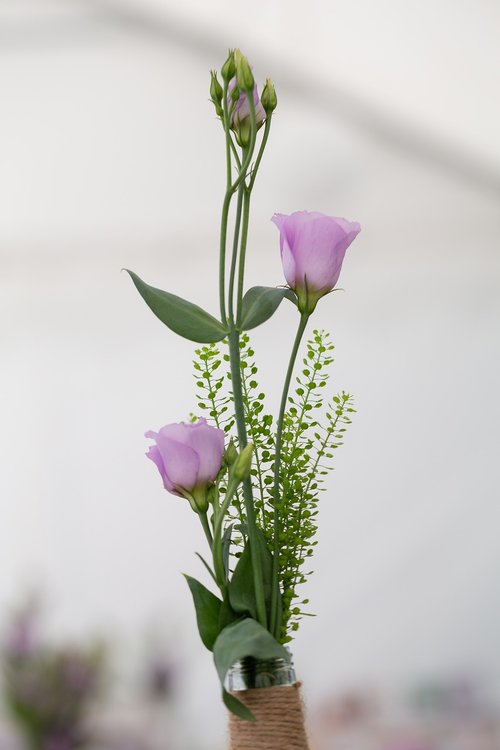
[111, 157]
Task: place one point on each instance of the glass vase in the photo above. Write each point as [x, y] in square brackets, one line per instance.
[269, 688]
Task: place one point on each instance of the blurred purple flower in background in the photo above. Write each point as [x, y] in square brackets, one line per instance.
[48, 690]
[188, 457]
[313, 247]
[160, 679]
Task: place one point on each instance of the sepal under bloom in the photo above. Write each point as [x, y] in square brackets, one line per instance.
[313, 247]
[189, 458]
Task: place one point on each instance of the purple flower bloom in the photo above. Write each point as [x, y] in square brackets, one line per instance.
[239, 120]
[313, 246]
[188, 457]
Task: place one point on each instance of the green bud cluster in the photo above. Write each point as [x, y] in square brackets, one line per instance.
[238, 79]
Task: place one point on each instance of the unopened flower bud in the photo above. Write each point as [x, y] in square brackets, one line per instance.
[244, 75]
[216, 93]
[230, 454]
[228, 70]
[268, 97]
[243, 464]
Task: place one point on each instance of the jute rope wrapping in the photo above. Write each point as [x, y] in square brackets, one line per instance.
[280, 720]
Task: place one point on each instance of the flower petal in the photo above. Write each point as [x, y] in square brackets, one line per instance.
[181, 462]
[208, 442]
[155, 456]
[319, 250]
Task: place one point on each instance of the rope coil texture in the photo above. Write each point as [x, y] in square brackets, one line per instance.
[280, 720]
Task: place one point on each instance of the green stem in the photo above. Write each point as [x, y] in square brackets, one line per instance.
[275, 625]
[247, 158]
[234, 342]
[231, 189]
[206, 528]
[267, 128]
[234, 257]
[222, 256]
[225, 211]
[220, 572]
[226, 124]
[235, 155]
[246, 214]
[243, 250]
[234, 354]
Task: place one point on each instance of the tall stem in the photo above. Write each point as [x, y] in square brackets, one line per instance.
[231, 188]
[234, 339]
[220, 572]
[206, 528]
[246, 214]
[234, 354]
[275, 625]
[243, 250]
[267, 128]
[247, 157]
[222, 256]
[225, 210]
[232, 273]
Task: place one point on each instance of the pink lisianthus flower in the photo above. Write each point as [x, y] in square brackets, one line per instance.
[313, 247]
[189, 458]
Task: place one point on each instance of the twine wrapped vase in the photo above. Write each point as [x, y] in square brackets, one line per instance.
[270, 690]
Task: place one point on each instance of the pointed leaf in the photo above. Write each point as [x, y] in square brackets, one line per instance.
[207, 607]
[237, 707]
[182, 317]
[260, 303]
[241, 586]
[227, 614]
[245, 638]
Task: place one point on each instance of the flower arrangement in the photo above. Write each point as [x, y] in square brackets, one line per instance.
[253, 479]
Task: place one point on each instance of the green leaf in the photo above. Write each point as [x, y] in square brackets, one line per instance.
[237, 707]
[227, 614]
[245, 638]
[260, 303]
[241, 586]
[208, 608]
[182, 317]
